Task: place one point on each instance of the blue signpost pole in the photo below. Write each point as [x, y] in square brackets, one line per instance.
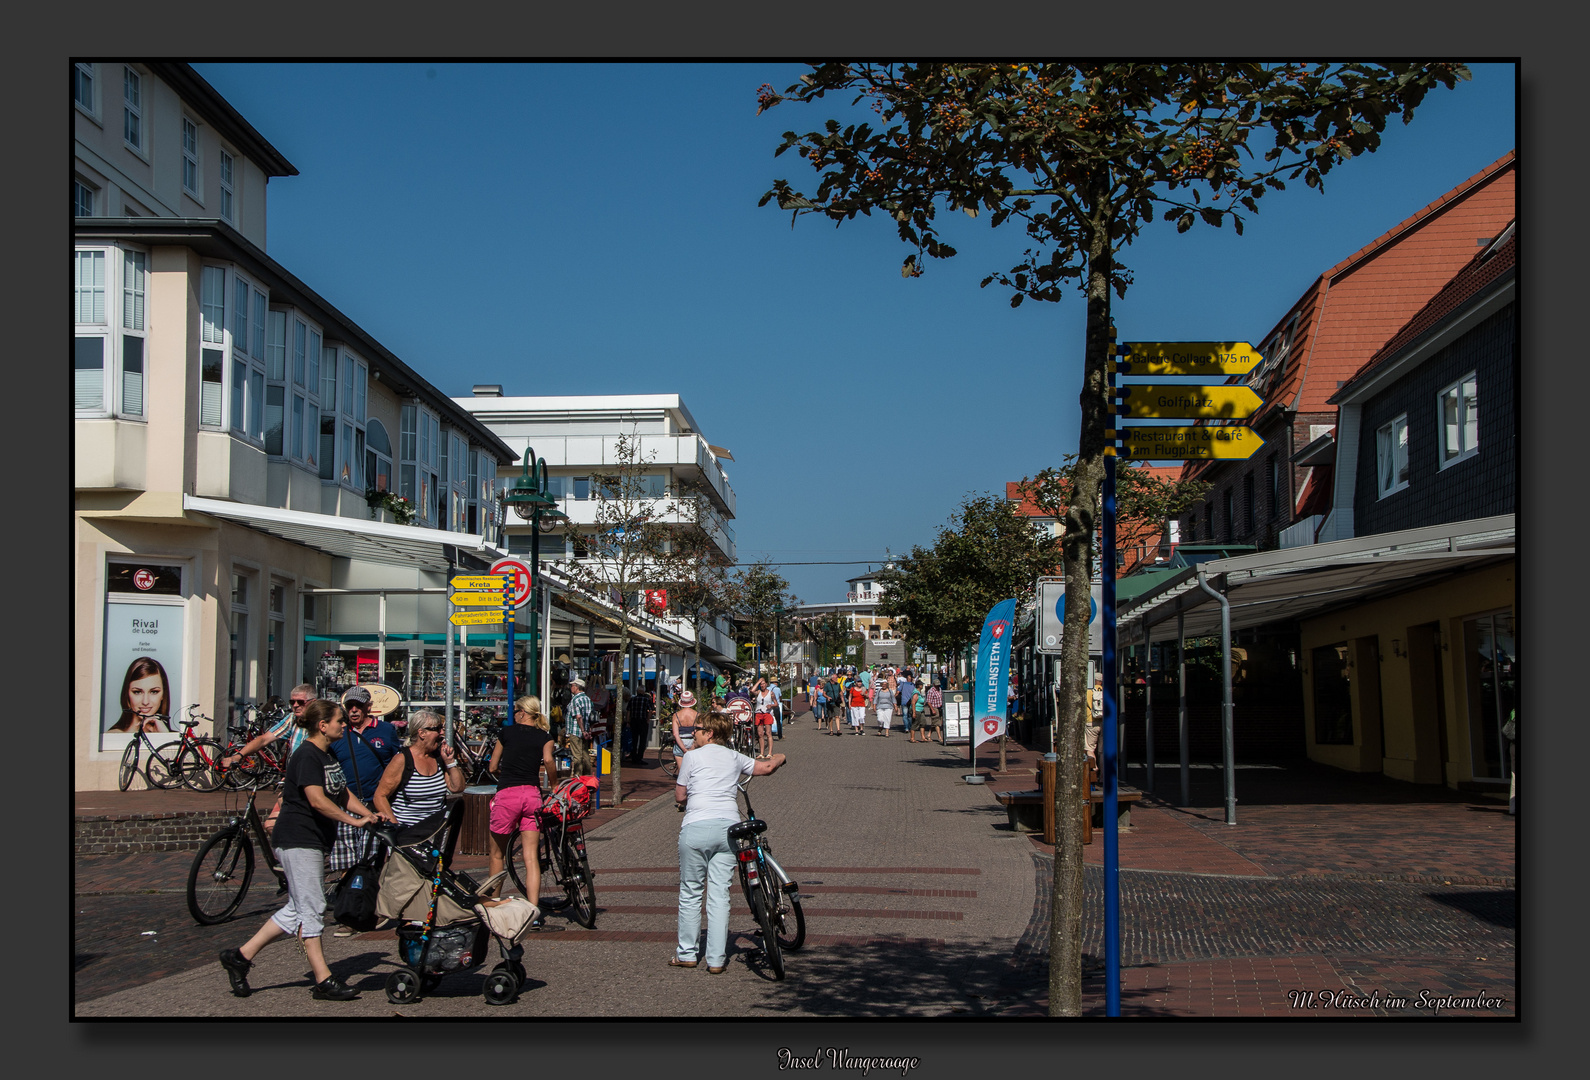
[1110, 748]
[508, 593]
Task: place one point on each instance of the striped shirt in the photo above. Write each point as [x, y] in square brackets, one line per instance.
[420, 796]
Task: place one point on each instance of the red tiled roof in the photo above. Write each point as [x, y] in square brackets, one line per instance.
[1481, 271]
[1351, 310]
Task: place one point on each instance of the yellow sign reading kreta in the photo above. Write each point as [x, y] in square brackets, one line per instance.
[1168, 402]
[481, 581]
[1191, 357]
[478, 599]
[1167, 443]
[472, 618]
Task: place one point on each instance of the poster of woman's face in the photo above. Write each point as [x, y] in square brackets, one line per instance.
[145, 698]
[143, 668]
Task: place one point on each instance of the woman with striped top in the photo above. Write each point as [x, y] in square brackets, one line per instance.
[415, 784]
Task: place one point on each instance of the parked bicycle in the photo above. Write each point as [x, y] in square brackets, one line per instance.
[223, 869]
[773, 896]
[562, 854]
[143, 755]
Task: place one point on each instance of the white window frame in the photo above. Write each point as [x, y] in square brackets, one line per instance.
[329, 372]
[1388, 445]
[91, 74]
[83, 197]
[124, 317]
[418, 439]
[226, 171]
[1467, 431]
[191, 160]
[292, 372]
[249, 303]
[352, 400]
[380, 456]
[132, 106]
[457, 508]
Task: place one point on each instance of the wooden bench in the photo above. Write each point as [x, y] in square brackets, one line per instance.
[1026, 810]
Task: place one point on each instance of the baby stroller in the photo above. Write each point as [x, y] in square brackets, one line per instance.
[447, 916]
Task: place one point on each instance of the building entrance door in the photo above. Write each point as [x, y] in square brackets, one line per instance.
[1492, 671]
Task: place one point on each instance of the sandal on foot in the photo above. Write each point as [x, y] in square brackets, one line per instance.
[676, 962]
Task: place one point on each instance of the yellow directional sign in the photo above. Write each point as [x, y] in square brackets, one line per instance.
[474, 618]
[478, 599]
[1167, 402]
[481, 581]
[1191, 357]
[1167, 443]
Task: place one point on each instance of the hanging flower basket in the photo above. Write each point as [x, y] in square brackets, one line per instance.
[391, 502]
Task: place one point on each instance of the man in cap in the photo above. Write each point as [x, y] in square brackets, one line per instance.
[577, 727]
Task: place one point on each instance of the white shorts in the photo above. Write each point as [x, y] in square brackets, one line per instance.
[858, 715]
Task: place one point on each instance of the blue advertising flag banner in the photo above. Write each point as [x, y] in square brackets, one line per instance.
[993, 672]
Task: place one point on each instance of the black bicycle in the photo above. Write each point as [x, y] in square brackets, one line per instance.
[562, 856]
[142, 755]
[222, 870]
[773, 896]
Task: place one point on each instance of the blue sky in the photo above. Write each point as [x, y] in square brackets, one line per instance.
[593, 229]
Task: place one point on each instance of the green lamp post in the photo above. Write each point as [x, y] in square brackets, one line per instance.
[532, 502]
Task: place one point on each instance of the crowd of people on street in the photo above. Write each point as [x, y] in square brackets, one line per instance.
[846, 694]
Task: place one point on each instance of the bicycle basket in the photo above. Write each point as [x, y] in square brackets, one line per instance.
[573, 799]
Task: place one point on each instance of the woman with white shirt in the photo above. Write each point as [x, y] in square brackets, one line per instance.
[708, 782]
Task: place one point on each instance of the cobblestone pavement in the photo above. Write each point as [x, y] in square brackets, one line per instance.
[920, 900]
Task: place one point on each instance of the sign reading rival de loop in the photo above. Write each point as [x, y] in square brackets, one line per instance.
[993, 671]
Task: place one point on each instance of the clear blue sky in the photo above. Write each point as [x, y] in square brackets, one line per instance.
[593, 229]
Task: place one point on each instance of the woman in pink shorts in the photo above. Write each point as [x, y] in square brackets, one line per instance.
[522, 752]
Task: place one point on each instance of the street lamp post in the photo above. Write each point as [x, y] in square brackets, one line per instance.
[531, 501]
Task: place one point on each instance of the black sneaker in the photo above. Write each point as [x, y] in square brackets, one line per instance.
[332, 989]
[237, 971]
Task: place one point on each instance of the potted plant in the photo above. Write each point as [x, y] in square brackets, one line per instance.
[390, 503]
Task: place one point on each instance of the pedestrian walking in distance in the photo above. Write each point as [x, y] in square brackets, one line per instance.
[315, 799]
[883, 702]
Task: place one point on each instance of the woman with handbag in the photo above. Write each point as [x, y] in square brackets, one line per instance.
[315, 798]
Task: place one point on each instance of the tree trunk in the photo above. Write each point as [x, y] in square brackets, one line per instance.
[1065, 935]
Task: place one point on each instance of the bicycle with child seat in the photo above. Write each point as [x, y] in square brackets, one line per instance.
[563, 856]
[772, 894]
[223, 869]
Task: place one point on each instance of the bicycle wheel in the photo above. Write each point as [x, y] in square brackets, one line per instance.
[770, 946]
[516, 868]
[220, 876]
[199, 771]
[667, 760]
[129, 765]
[160, 768]
[788, 919]
[582, 890]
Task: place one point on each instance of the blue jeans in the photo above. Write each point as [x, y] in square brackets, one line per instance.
[705, 858]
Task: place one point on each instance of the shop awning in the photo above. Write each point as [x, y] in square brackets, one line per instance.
[1296, 583]
[353, 538]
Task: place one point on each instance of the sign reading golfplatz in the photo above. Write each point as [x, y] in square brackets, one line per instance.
[1188, 358]
[1164, 401]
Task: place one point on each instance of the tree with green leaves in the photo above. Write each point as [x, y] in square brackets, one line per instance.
[1144, 500]
[764, 596]
[1083, 157]
[988, 552]
[830, 632]
[706, 589]
[631, 550]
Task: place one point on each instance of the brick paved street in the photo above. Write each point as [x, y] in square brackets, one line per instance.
[921, 901]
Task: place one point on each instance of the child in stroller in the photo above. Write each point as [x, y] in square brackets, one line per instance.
[447, 915]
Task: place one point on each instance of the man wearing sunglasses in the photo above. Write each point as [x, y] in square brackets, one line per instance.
[299, 698]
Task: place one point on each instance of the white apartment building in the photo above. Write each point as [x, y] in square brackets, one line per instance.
[578, 436]
[237, 438]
